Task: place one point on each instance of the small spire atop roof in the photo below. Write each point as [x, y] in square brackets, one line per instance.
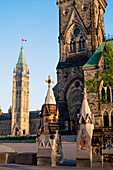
[50, 98]
[85, 109]
[21, 60]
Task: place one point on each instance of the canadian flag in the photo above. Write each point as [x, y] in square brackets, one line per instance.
[24, 40]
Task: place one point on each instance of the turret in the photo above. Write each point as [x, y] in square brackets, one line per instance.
[84, 137]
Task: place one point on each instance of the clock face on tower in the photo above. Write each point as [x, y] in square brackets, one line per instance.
[19, 71]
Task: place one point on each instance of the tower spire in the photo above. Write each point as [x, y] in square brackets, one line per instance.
[21, 59]
[50, 98]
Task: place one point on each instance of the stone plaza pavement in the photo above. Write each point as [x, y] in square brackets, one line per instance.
[69, 152]
[25, 167]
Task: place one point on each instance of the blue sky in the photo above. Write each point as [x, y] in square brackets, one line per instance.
[38, 22]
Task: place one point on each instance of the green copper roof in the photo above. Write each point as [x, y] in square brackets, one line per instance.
[21, 59]
[93, 61]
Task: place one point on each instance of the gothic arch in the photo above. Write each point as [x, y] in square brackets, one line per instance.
[70, 33]
[74, 97]
[105, 92]
[106, 119]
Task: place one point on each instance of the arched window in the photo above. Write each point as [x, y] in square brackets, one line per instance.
[112, 118]
[83, 44]
[73, 45]
[106, 119]
[112, 95]
[108, 94]
[103, 94]
[80, 45]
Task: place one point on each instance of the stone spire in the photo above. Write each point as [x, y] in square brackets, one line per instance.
[85, 112]
[50, 98]
[21, 60]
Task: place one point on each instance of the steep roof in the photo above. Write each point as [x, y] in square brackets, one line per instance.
[21, 59]
[50, 98]
[85, 112]
[5, 116]
[93, 61]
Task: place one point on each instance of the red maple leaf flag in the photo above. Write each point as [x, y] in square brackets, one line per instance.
[24, 40]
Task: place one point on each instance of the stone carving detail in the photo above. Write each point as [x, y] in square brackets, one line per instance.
[83, 141]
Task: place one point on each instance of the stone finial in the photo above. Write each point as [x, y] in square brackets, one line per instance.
[50, 98]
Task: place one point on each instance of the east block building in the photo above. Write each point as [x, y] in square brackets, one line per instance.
[81, 29]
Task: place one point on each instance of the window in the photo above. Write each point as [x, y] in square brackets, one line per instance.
[73, 45]
[108, 94]
[76, 32]
[24, 132]
[80, 45]
[112, 95]
[103, 94]
[84, 44]
[106, 119]
[112, 118]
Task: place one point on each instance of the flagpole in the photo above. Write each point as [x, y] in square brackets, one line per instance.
[21, 43]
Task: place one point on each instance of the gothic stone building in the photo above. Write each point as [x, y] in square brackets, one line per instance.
[6, 119]
[81, 27]
[102, 110]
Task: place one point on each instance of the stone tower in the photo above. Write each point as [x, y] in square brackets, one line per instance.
[50, 148]
[81, 31]
[20, 101]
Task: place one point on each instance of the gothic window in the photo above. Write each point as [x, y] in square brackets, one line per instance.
[80, 45]
[112, 118]
[106, 119]
[24, 132]
[84, 44]
[76, 32]
[108, 94]
[103, 94]
[77, 84]
[73, 45]
[112, 95]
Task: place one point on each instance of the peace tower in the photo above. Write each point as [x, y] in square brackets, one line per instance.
[20, 102]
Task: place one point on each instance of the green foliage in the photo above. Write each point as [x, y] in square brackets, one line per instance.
[106, 75]
[90, 85]
[19, 139]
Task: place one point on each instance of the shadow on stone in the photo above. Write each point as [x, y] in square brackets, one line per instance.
[69, 162]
